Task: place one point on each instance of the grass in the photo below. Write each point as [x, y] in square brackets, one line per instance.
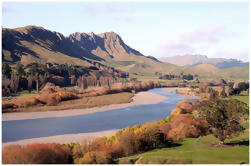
[244, 97]
[25, 94]
[86, 102]
[193, 151]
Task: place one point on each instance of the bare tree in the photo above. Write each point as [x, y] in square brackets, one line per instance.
[14, 83]
[29, 84]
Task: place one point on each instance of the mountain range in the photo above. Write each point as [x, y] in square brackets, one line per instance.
[192, 60]
[37, 44]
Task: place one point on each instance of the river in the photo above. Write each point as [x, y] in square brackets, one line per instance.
[114, 119]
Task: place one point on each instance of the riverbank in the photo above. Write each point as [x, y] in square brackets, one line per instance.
[185, 92]
[63, 139]
[138, 99]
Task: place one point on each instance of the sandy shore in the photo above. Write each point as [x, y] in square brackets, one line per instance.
[139, 98]
[63, 139]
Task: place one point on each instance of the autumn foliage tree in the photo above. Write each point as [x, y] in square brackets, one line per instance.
[35, 154]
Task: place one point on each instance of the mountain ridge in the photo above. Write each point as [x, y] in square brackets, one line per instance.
[37, 44]
[192, 60]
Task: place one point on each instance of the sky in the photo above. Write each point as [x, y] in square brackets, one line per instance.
[159, 29]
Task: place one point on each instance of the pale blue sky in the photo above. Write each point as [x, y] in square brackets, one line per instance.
[215, 29]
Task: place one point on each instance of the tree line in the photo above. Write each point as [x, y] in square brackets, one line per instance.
[36, 75]
[178, 77]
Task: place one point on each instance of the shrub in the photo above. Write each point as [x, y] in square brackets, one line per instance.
[128, 143]
[88, 158]
[176, 111]
[184, 125]
[55, 98]
[30, 102]
[186, 107]
[96, 157]
[35, 154]
[150, 136]
[6, 105]
[64, 95]
[49, 99]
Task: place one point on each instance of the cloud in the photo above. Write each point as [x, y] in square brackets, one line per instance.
[172, 48]
[123, 18]
[93, 11]
[106, 9]
[110, 9]
[191, 42]
[209, 34]
[117, 14]
[6, 8]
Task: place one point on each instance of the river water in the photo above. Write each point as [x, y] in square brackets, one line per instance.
[108, 120]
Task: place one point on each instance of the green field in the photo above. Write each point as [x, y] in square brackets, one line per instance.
[244, 97]
[193, 151]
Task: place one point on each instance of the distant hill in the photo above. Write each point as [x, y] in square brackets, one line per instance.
[191, 60]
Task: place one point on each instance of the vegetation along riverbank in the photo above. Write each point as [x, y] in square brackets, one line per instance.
[190, 129]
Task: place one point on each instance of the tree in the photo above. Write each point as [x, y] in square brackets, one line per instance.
[6, 69]
[223, 116]
[20, 69]
[231, 88]
[73, 79]
[14, 82]
[29, 84]
[242, 86]
[82, 82]
[188, 77]
[223, 92]
[213, 94]
[34, 73]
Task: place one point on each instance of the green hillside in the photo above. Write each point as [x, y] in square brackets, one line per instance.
[36, 44]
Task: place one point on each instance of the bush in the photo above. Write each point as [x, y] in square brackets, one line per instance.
[30, 102]
[55, 98]
[128, 143]
[35, 154]
[183, 126]
[64, 95]
[6, 105]
[96, 157]
[49, 99]
[186, 107]
[150, 136]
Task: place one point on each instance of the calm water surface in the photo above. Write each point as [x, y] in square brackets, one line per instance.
[114, 119]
